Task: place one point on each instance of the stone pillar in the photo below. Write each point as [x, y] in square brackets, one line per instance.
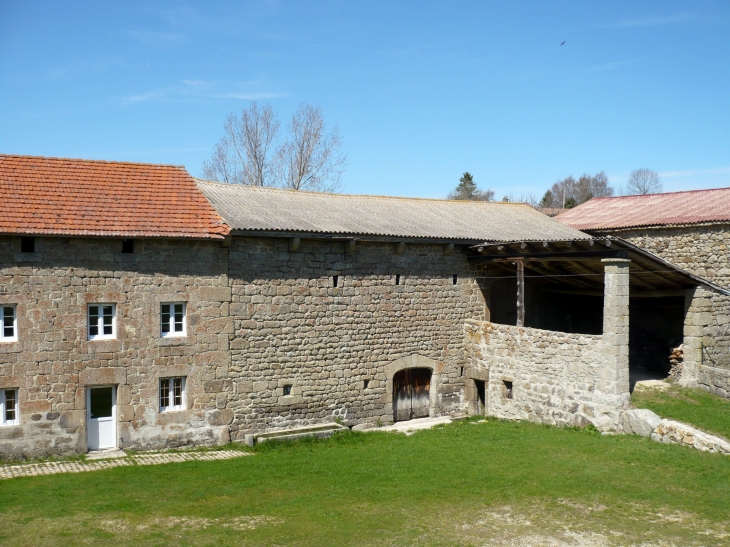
[615, 376]
[697, 317]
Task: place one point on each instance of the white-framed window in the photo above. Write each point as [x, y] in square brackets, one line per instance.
[102, 321]
[8, 323]
[9, 414]
[172, 394]
[172, 319]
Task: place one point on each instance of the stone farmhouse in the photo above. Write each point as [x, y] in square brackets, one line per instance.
[141, 308]
[692, 230]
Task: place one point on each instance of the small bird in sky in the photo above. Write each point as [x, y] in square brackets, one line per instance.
[563, 42]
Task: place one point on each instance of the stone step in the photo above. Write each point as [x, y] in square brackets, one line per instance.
[292, 434]
[105, 454]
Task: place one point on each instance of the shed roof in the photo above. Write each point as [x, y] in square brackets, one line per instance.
[672, 208]
[76, 197]
[256, 209]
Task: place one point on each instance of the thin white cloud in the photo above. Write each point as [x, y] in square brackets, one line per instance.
[144, 97]
[676, 19]
[247, 96]
[192, 90]
[612, 65]
[158, 39]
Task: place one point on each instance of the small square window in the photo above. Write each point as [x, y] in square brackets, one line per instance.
[287, 389]
[127, 245]
[172, 394]
[335, 280]
[365, 384]
[507, 392]
[8, 323]
[172, 319]
[9, 414]
[397, 279]
[27, 244]
[454, 279]
[102, 321]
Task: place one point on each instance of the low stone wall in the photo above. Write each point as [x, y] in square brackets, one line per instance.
[556, 378]
[669, 431]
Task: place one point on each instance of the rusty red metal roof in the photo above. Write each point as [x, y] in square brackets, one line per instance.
[75, 197]
[672, 208]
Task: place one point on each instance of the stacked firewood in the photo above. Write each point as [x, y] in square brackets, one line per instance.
[675, 363]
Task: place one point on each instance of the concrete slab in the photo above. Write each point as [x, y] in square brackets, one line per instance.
[652, 384]
[106, 454]
[411, 426]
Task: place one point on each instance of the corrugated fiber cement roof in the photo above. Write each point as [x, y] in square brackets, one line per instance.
[247, 208]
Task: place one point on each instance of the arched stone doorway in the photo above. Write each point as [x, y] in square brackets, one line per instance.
[412, 387]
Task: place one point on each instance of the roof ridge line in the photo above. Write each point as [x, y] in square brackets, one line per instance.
[659, 194]
[334, 194]
[113, 162]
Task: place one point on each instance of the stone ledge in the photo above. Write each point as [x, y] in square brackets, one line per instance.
[671, 432]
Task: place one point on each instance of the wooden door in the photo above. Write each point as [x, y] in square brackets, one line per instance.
[411, 394]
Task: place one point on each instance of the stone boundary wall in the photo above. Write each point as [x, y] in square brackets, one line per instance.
[293, 327]
[671, 432]
[53, 362]
[557, 378]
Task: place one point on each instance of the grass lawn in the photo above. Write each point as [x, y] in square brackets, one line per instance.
[488, 483]
[693, 406]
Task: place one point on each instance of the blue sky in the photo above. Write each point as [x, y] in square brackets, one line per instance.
[421, 91]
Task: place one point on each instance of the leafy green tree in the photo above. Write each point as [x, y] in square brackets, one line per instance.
[468, 190]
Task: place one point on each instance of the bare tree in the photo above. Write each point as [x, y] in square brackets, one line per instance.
[644, 181]
[310, 159]
[242, 156]
[570, 192]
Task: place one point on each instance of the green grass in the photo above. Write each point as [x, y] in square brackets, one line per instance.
[693, 406]
[489, 483]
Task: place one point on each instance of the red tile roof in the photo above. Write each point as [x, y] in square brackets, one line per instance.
[673, 208]
[102, 198]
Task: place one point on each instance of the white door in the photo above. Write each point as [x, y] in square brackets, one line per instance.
[101, 417]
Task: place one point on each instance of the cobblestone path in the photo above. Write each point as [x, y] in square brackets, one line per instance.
[52, 468]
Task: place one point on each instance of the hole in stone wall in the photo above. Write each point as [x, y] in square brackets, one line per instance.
[455, 278]
[335, 279]
[287, 389]
[365, 384]
[27, 244]
[127, 245]
[507, 390]
[397, 279]
[461, 371]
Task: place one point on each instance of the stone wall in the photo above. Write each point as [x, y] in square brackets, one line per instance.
[702, 250]
[53, 362]
[705, 251]
[294, 328]
[557, 378]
